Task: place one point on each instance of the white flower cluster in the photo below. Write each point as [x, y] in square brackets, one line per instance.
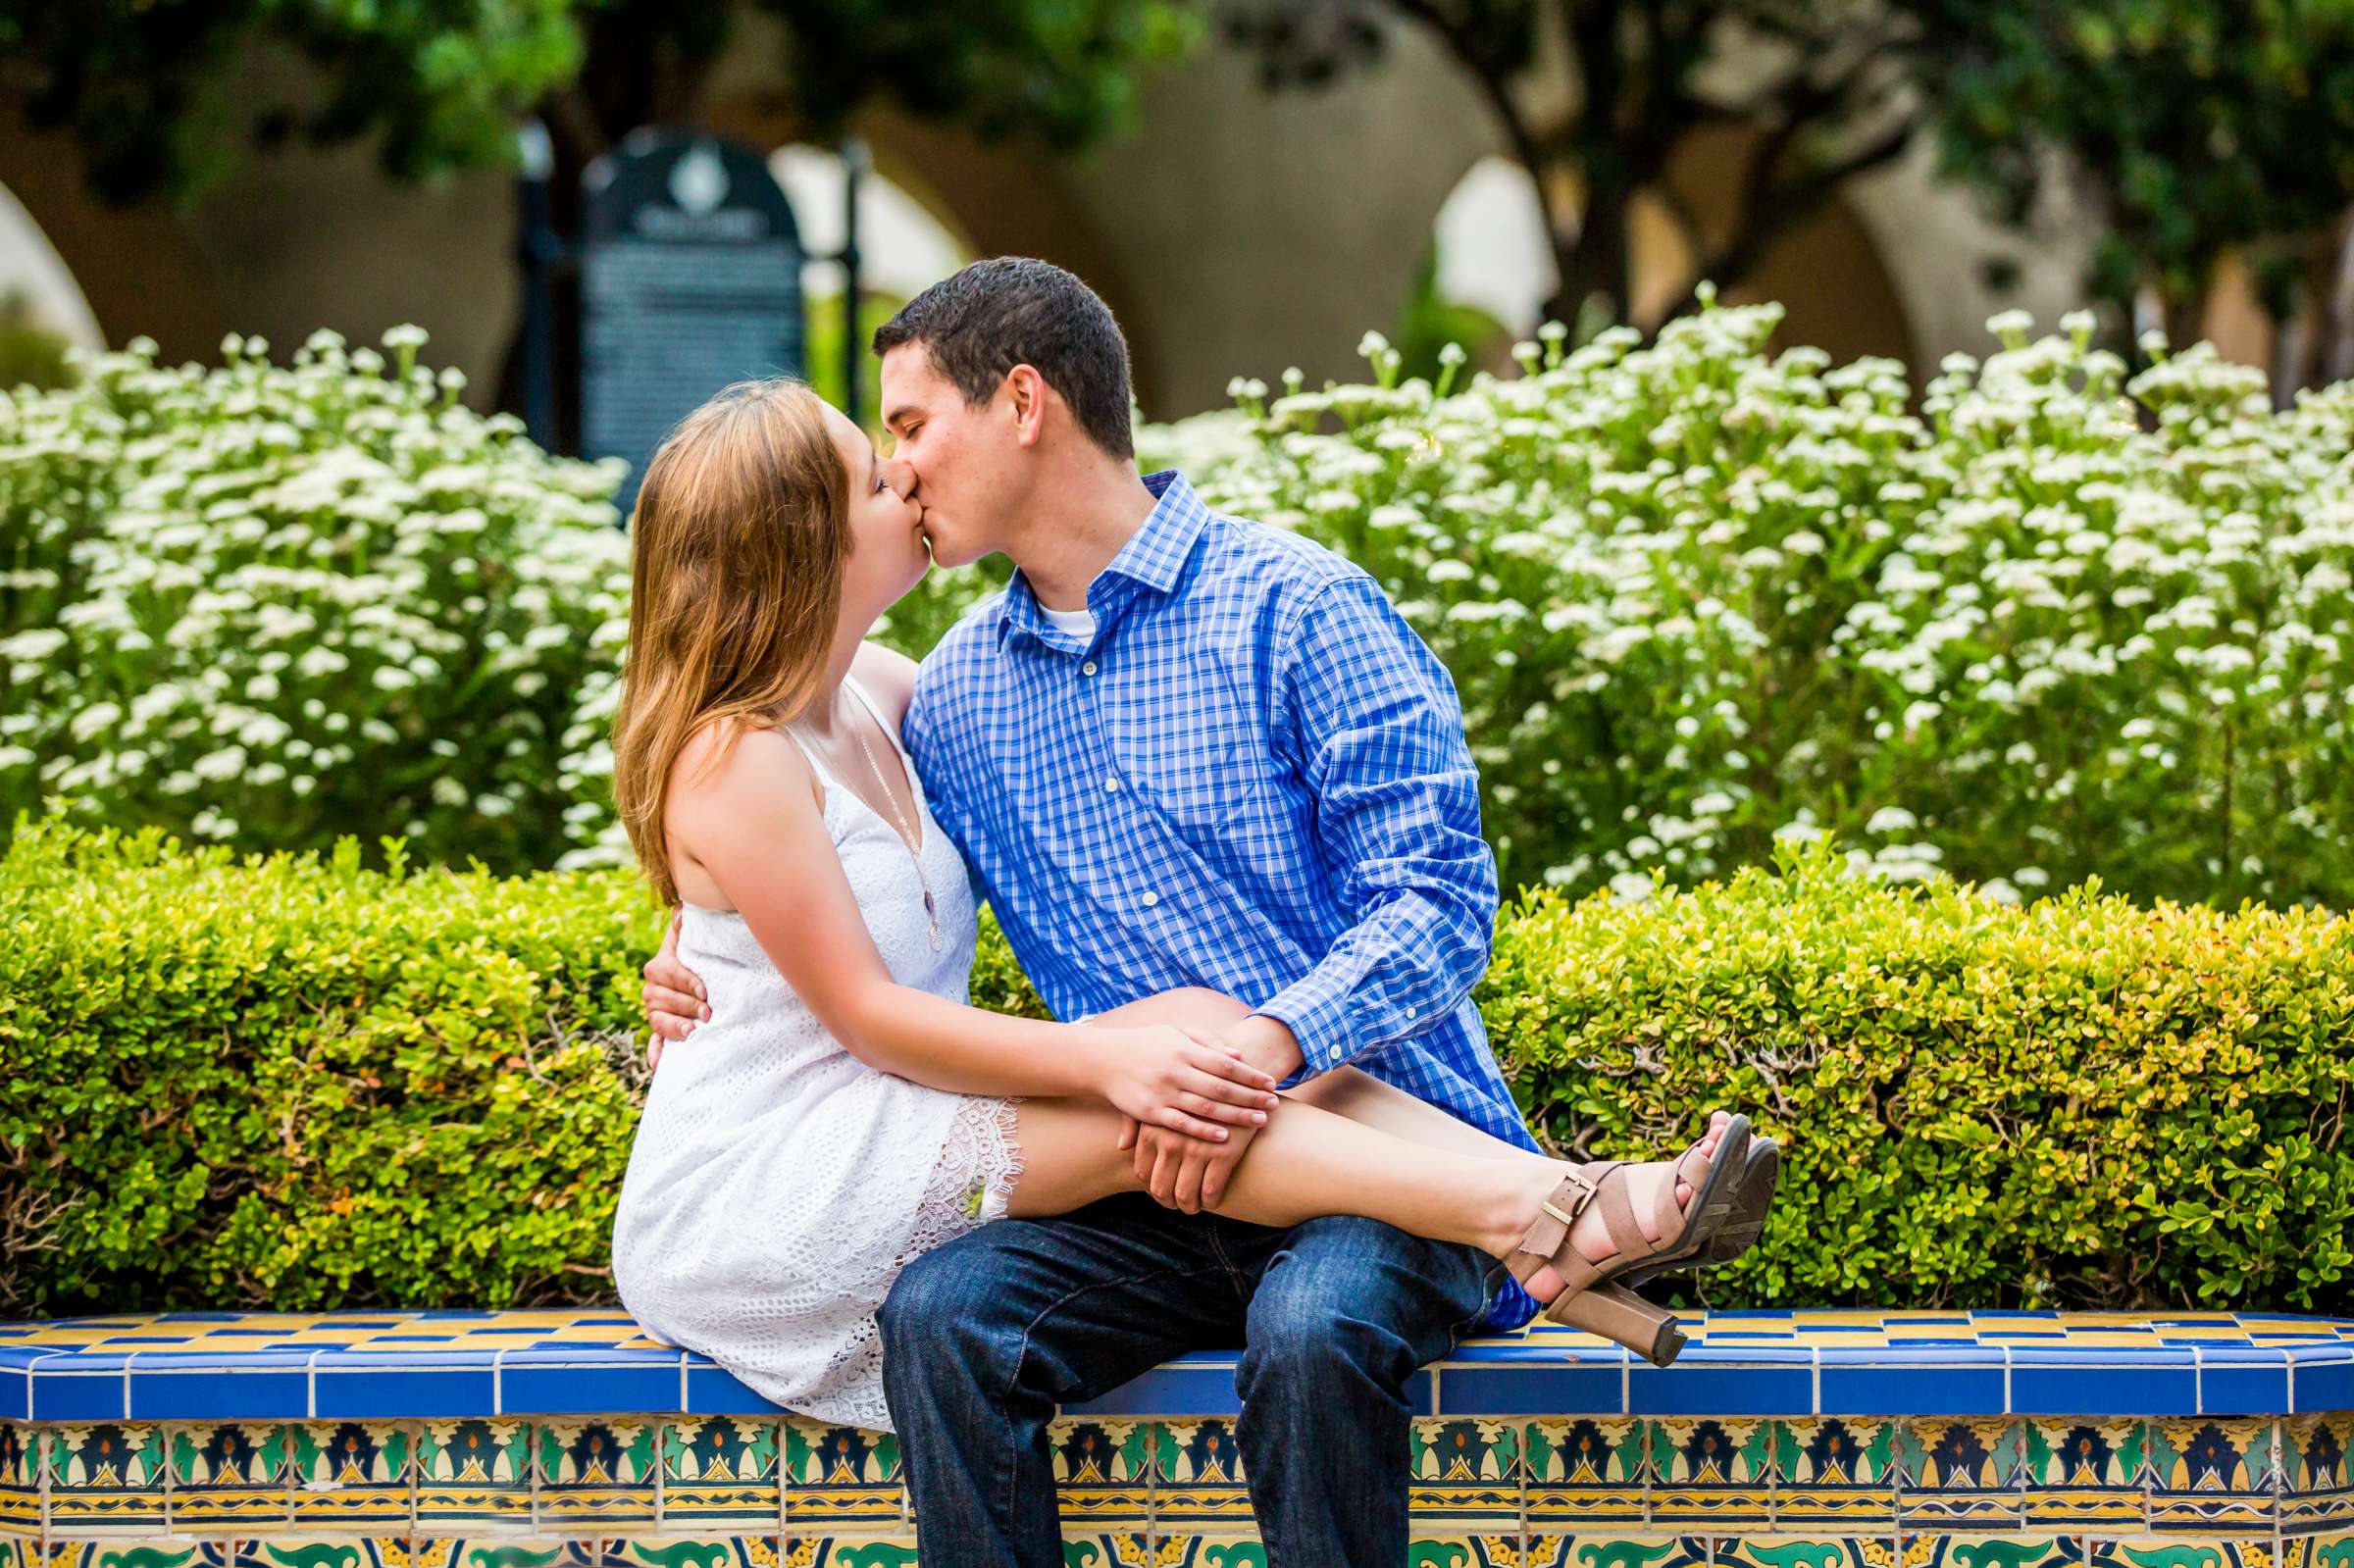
[2043, 624]
[273, 605]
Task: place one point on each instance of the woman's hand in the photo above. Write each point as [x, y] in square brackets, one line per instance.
[1165, 1077]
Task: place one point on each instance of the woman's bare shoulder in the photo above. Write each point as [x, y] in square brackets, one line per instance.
[889, 675]
[756, 756]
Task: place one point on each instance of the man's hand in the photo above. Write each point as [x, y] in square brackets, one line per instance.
[1184, 1171]
[674, 996]
[1189, 1174]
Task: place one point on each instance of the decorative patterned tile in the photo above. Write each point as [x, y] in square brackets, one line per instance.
[1611, 1549]
[473, 1477]
[849, 1551]
[20, 1481]
[337, 1551]
[1197, 1479]
[1965, 1550]
[2212, 1552]
[161, 1552]
[841, 1479]
[1110, 1549]
[2213, 1478]
[693, 1551]
[2085, 1475]
[2322, 1551]
[505, 1552]
[352, 1476]
[1429, 1551]
[1783, 1550]
[228, 1478]
[1586, 1473]
[1710, 1472]
[1960, 1474]
[1834, 1472]
[106, 1479]
[720, 1470]
[594, 1475]
[2317, 1493]
[1102, 1471]
[1465, 1474]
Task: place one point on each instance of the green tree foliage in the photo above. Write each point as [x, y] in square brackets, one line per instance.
[152, 94]
[2192, 126]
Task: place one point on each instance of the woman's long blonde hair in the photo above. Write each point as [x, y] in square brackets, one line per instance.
[739, 537]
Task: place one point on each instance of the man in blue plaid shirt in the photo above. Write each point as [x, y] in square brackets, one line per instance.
[1179, 751]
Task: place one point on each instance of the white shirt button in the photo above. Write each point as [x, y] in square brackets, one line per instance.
[1151, 899]
[1088, 668]
[1111, 786]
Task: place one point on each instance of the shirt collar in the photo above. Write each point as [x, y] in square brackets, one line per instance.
[1153, 559]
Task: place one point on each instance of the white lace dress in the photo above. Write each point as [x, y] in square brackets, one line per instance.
[777, 1185]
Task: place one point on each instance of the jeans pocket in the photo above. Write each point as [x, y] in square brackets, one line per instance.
[1489, 1284]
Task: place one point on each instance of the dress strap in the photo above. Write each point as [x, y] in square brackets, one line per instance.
[890, 730]
[824, 774]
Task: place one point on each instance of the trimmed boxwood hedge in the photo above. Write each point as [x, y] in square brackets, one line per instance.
[298, 1083]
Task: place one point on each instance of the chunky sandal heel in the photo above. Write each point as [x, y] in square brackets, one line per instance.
[1616, 1313]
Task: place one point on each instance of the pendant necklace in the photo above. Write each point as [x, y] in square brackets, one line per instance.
[907, 838]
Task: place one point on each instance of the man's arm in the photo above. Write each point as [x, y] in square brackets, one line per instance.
[1370, 718]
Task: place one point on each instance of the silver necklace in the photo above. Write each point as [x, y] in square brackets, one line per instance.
[906, 835]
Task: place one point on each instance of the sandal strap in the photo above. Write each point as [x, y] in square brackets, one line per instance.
[1690, 1169]
[1576, 1270]
[1552, 1226]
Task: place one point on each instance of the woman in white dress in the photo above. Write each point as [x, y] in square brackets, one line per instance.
[843, 1109]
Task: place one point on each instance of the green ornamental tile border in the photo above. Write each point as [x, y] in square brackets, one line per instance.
[2133, 1489]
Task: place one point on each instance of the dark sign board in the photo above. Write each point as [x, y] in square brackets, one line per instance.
[690, 278]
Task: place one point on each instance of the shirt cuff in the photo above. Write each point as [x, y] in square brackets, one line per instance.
[1319, 1020]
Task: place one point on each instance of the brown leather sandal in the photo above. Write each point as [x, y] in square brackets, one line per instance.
[1759, 1175]
[1590, 1298]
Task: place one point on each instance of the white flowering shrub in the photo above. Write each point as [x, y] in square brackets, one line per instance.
[271, 605]
[2051, 625]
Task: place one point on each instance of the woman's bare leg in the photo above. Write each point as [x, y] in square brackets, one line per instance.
[1306, 1162]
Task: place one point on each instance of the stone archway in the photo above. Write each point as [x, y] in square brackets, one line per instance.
[1827, 272]
[999, 200]
[134, 266]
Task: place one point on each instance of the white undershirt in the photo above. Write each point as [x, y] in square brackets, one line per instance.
[1080, 624]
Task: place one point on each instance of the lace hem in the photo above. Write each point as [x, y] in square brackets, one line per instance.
[973, 1181]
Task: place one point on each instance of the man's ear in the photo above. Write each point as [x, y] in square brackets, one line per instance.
[1027, 395]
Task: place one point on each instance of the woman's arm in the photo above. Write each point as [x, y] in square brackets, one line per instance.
[753, 825]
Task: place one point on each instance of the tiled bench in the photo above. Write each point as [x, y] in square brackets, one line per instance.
[1780, 1439]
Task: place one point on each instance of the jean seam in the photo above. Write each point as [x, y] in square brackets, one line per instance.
[1021, 1355]
[1488, 1286]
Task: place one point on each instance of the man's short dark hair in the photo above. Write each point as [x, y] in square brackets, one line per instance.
[1015, 310]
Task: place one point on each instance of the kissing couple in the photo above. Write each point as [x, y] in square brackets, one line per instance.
[1217, 791]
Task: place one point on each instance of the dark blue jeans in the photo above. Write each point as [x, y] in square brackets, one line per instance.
[984, 1336]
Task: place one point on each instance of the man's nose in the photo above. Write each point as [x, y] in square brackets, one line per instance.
[900, 477]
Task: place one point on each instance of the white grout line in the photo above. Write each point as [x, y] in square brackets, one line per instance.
[1815, 1357]
[2007, 1410]
[498, 1406]
[310, 1385]
[2198, 1380]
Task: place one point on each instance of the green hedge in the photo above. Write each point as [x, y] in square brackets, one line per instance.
[300, 1083]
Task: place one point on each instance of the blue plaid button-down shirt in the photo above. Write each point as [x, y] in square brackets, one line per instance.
[1251, 778]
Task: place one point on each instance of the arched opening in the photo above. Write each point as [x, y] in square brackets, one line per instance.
[133, 270]
[1494, 254]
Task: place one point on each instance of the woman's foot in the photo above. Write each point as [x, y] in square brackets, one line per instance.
[1588, 1233]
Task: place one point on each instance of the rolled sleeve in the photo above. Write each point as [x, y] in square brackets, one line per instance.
[1370, 718]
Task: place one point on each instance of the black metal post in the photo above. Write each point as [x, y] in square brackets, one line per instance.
[537, 248]
[853, 347]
